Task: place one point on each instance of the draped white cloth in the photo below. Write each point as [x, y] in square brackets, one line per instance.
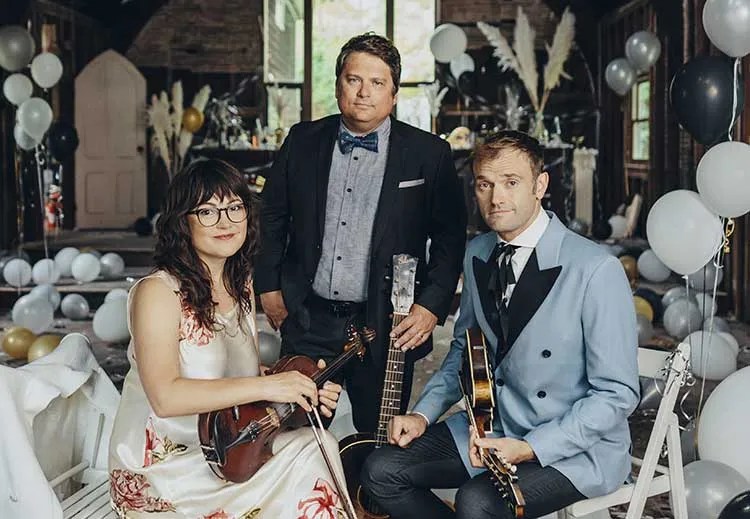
[156, 465]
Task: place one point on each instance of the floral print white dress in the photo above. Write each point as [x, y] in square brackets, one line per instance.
[156, 466]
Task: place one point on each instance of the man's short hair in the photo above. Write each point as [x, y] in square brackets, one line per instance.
[378, 46]
[505, 140]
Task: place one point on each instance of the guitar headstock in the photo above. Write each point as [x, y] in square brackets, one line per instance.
[404, 276]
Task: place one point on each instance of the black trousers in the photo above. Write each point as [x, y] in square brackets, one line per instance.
[400, 481]
[325, 338]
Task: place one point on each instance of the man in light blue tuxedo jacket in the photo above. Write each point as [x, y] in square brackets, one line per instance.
[559, 320]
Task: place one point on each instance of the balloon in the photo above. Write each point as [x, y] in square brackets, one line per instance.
[45, 272]
[578, 226]
[6, 256]
[43, 345]
[17, 88]
[112, 265]
[85, 267]
[642, 49]
[33, 313]
[467, 83]
[619, 226]
[64, 259]
[702, 93]
[16, 47]
[143, 227]
[681, 318]
[460, 64]
[601, 230]
[711, 356]
[704, 278]
[269, 347]
[91, 250]
[17, 272]
[642, 307]
[111, 321]
[720, 325]
[651, 267]
[683, 232]
[737, 508]
[727, 24]
[23, 140]
[35, 117]
[730, 340]
[652, 391]
[620, 76]
[706, 304]
[17, 340]
[723, 178]
[654, 300]
[631, 271]
[75, 306]
[645, 329]
[447, 42]
[709, 486]
[116, 293]
[192, 119]
[672, 295]
[62, 140]
[689, 443]
[46, 69]
[724, 423]
[48, 293]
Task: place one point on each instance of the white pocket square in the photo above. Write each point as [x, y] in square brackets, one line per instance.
[410, 183]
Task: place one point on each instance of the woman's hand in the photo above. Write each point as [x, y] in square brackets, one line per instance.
[328, 394]
[291, 387]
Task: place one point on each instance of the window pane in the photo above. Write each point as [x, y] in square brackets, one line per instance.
[284, 107]
[644, 98]
[634, 102]
[284, 41]
[414, 22]
[334, 22]
[640, 140]
[413, 108]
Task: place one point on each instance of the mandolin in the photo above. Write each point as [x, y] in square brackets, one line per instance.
[236, 441]
[355, 448]
[479, 397]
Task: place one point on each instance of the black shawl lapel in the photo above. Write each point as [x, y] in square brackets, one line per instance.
[394, 166]
[327, 141]
[482, 273]
[529, 293]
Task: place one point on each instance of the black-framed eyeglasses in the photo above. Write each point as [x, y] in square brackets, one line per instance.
[210, 216]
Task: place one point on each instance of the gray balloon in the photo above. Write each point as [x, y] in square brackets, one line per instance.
[642, 49]
[75, 306]
[579, 226]
[727, 24]
[709, 486]
[705, 282]
[270, 348]
[645, 329]
[16, 47]
[672, 295]
[620, 76]
[681, 318]
[23, 140]
[652, 391]
[720, 325]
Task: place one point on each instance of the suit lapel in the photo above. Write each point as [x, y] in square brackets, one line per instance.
[323, 170]
[394, 166]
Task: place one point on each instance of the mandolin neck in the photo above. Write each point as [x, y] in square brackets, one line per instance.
[390, 403]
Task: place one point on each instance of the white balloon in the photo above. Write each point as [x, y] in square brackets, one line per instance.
[64, 260]
[460, 64]
[723, 178]
[35, 117]
[683, 232]
[34, 313]
[642, 49]
[731, 341]
[112, 265]
[706, 304]
[45, 272]
[47, 292]
[682, 317]
[75, 306]
[46, 69]
[85, 267]
[24, 141]
[17, 272]
[709, 486]
[116, 293]
[619, 226]
[704, 278]
[711, 356]
[111, 321]
[620, 76]
[651, 267]
[17, 88]
[725, 422]
[448, 41]
[672, 295]
[727, 24]
[719, 325]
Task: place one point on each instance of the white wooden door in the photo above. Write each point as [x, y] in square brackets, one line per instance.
[110, 105]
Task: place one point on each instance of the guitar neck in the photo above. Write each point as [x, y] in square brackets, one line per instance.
[390, 403]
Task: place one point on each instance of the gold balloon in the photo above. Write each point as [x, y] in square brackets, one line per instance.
[192, 119]
[43, 345]
[643, 307]
[17, 341]
[631, 268]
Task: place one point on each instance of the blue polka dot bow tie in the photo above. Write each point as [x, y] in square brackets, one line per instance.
[347, 142]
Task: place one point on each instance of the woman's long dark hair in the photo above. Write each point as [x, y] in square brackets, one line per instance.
[193, 186]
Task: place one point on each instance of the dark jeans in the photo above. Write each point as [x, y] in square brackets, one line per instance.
[325, 339]
[400, 481]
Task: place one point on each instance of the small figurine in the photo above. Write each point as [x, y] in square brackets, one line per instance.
[53, 210]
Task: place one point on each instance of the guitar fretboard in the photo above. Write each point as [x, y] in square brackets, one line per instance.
[390, 404]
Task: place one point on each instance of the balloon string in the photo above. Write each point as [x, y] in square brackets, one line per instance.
[735, 86]
[41, 201]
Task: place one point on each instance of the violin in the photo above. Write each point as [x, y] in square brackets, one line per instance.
[236, 441]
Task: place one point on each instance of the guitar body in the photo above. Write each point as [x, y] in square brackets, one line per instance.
[354, 450]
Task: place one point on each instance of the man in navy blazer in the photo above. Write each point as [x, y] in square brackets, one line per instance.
[558, 316]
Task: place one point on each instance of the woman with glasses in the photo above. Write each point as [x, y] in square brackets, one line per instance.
[194, 348]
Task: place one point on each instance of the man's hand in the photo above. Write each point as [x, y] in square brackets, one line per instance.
[512, 450]
[415, 328]
[328, 395]
[404, 429]
[274, 308]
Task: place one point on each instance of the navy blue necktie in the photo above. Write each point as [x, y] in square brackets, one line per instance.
[504, 274]
[347, 142]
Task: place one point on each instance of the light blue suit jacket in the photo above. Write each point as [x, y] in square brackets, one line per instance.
[570, 378]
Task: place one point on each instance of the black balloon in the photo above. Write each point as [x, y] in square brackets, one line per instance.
[601, 230]
[62, 140]
[737, 508]
[143, 227]
[653, 299]
[467, 84]
[702, 94]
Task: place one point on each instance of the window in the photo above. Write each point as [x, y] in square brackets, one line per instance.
[284, 60]
[639, 121]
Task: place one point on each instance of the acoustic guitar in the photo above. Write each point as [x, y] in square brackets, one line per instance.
[355, 448]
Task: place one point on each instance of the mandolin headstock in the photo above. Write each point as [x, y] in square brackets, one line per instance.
[506, 481]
